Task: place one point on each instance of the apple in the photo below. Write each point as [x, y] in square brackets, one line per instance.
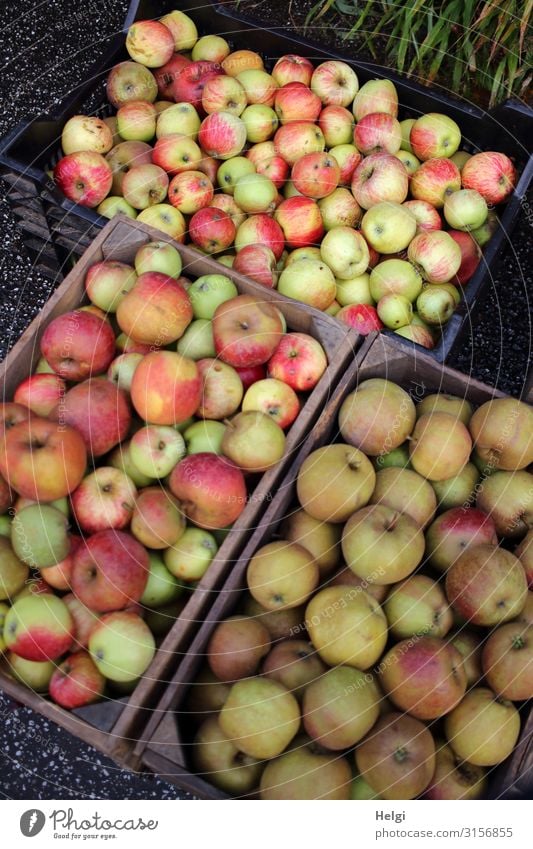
[295, 664]
[203, 436]
[502, 433]
[189, 81]
[156, 311]
[259, 263]
[435, 305]
[454, 778]
[78, 344]
[255, 193]
[157, 520]
[457, 490]
[192, 554]
[345, 251]
[42, 460]
[122, 369]
[120, 458]
[408, 160]
[144, 186]
[121, 646]
[335, 83]
[376, 96]
[212, 229]
[508, 497]
[321, 539]
[259, 86]
[210, 488]
[130, 81]
[339, 209]
[183, 29]
[166, 388]
[434, 135]
[241, 60]
[222, 135]
[377, 132]
[334, 481]
[310, 281]
[99, 410]
[395, 310]
[104, 499]
[274, 398]
[150, 43]
[340, 707]
[524, 552]
[282, 574]
[136, 121]
[158, 256]
[246, 330]
[293, 68]
[253, 441]
[470, 256]
[397, 537]
[83, 132]
[465, 209]
[417, 606]
[190, 191]
[38, 627]
[210, 48]
[267, 730]
[315, 175]
[434, 181]
[507, 660]
[223, 94]
[84, 177]
[394, 276]
[12, 413]
[233, 170]
[112, 206]
[427, 217]
[454, 405]
[162, 588]
[275, 168]
[300, 220]
[155, 450]
[261, 152]
[483, 729]
[405, 491]
[455, 531]
[222, 389]
[485, 233]
[361, 317]
[125, 156]
[39, 535]
[440, 446]
[13, 571]
[388, 227]
[107, 282]
[354, 291]
[167, 73]
[35, 674]
[435, 255]
[76, 682]
[380, 402]
[348, 158]
[110, 571]
[298, 138]
[296, 102]
[379, 178]
[175, 153]
[208, 292]
[486, 585]
[179, 119]
[299, 361]
[336, 124]
[59, 576]
[491, 174]
[217, 759]
[40, 393]
[306, 773]
[197, 341]
[263, 230]
[236, 648]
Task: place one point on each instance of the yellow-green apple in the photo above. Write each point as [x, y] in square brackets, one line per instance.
[120, 458]
[99, 411]
[306, 772]
[76, 682]
[33, 586]
[210, 48]
[259, 86]
[435, 305]
[335, 83]
[39, 535]
[460, 158]
[293, 68]
[295, 101]
[166, 388]
[282, 574]
[298, 360]
[84, 177]
[110, 571]
[275, 168]
[382, 545]
[222, 135]
[354, 291]
[507, 660]
[394, 276]
[261, 717]
[334, 481]
[40, 393]
[366, 414]
[484, 233]
[42, 460]
[427, 217]
[122, 369]
[156, 311]
[397, 758]
[470, 256]
[308, 280]
[424, 676]
[362, 317]
[212, 229]
[246, 330]
[260, 152]
[377, 132]
[122, 646]
[190, 191]
[255, 193]
[407, 492]
[440, 446]
[395, 310]
[179, 118]
[253, 441]
[130, 81]
[219, 761]
[150, 43]
[83, 132]
[346, 625]
[222, 389]
[39, 627]
[456, 530]
[183, 29]
[78, 344]
[339, 209]
[59, 576]
[376, 96]
[189, 81]
[486, 585]
[175, 153]
[483, 728]
[222, 93]
[297, 138]
[336, 123]
[348, 158]
[208, 292]
[107, 282]
[259, 263]
[263, 230]
[157, 520]
[13, 571]
[388, 227]
[502, 430]
[397, 458]
[345, 251]
[465, 209]
[320, 538]
[274, 398]
[524, 552]
[145, 185]
[490, 173]
[300, 221]
[211, 489]
[340, 707]
[469, 645]
[422, 335]
[379, 178]
[434, 135]
[454, 778]
[315, 175]
[435, 181]
[508, 497]
[167, 73]
[197, 341]
[295, 664]
[435, 255]
[155, 450]
[35, 674]
[442, 402]
[104, 499]
[417, 606]
[158, 256]
[282, 624]
[206, 695]
[309, 252]
[136, 121]
[360, 790]
[189, 557]
[408, 160]
[204, 436]
[236, 648]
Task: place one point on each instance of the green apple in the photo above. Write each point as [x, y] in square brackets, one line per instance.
[158, 256]
[208, 292]
[162, 587]
[435, 304]
[406, 127]
[398, 457]
[197, 341]
[458, 490]
[395, 276]
[418, 606]
[253, 441]
[121, 459]
[465, 209]
[39, 535]
[112, 206]
[354, 291]
[233, 170]
[179, 118]
[155, 450]
[255, 193]
[122, 369]
[395, 310]
[34, 674]
[122, 646]
[204, 436]
[190, 557]
[13, 572]
[42, 367]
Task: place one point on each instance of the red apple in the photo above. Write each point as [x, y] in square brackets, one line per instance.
[246, 330]
[110, 571]
[361, 317]
[167, 73]
[378, 133]
[348, 158]
[316, 175]
[261, 230]
[490, 173]
[99, 410]
[40, 393]
[434, 180]
[427, 217]
[166, 388]
[212, 229]
[222, 135]
[300, 220]
[158, 521]
[299, 361]
[84, 177]
[337, 125]
[251, 374]
[190, 191]
[78, 344]
[379, 178]
[189, 82]
[259, 263]
[470, 256]
[275, 168]
[455, 530]
[296, 102]
[434, 135]
[210, 489]
[11, 414]
[298, 138]
[176, 153]
[76, 682]
[293, 68]
[104, 499]
[156, 311]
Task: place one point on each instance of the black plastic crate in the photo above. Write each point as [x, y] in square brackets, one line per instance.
[33, 148]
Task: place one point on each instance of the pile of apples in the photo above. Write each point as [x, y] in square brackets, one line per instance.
[385, 634]
[126, 457]
[300, 178]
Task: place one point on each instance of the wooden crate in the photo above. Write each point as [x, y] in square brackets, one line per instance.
[166, 744]
[113, 726]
